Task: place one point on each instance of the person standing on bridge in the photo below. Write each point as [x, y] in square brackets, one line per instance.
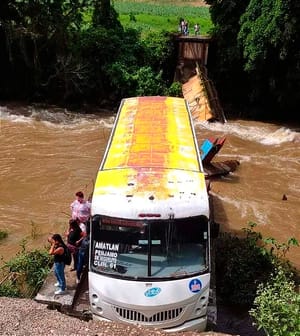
[186, 28]
[57, 249]
[197, 29]
[181, 25]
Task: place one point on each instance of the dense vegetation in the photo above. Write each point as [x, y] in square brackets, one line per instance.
[23, 275]
[77, 51]
[255, 57]
[253, 272]
[88, 51]
[245, 261]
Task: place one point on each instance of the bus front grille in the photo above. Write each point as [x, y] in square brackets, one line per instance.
[135, 316]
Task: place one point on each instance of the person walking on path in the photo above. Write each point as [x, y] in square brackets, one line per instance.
[57, 249]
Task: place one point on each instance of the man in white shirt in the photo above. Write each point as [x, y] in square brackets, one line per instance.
[81, 210]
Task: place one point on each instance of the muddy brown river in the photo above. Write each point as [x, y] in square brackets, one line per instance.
[49, 154]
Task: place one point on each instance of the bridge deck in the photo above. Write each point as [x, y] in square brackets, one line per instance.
[74, 302]
[193, 38]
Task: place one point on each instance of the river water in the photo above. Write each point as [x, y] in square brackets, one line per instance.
[49, 154]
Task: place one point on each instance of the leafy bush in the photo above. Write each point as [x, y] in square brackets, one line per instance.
[175, 90]
[136, 70]
[9, 289]
[158, 49]
[132, 81]
[240, 266]
[25, 273]
[242, 263]
[277, 306]
[147, 82]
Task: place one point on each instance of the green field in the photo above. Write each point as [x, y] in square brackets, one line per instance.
[153, 17]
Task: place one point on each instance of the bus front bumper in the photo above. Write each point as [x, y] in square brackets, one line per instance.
[193, 325]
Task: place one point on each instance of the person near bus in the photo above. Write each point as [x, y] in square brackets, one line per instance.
[57, 249]
[83, 254]
[81, 209]
[74, 236]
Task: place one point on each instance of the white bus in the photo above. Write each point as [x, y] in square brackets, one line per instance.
[150, 229]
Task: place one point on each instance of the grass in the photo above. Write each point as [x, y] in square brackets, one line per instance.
[172, 2]
[147, 16]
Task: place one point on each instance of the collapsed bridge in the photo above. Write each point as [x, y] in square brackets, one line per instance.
[191, 71]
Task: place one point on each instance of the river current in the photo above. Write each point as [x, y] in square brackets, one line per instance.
[47, 154]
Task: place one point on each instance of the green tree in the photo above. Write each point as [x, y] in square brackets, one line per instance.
[140, 67]
[159, 54]
[270, 39]
[158, 49]
[255, 56]
[113, 56]
[105, 15]
[38, 37]
[261, 30]
[225, 62]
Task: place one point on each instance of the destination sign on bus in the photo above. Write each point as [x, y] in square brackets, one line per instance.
[105, 255]
[122, 222]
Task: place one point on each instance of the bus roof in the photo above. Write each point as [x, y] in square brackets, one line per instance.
[152, 163]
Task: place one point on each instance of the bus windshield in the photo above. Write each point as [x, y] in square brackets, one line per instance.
[143, 249]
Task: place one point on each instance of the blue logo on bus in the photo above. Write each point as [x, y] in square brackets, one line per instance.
[195, 285]
[152, 292]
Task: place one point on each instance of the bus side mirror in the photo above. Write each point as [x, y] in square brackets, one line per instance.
[214, 229]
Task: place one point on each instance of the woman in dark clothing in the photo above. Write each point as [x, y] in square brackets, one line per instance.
[74, 237]
[57, 249]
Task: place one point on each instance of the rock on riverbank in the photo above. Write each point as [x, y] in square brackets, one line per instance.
[22, 317]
